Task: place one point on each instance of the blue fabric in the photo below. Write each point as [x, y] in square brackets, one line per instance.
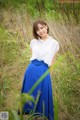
[33, 72]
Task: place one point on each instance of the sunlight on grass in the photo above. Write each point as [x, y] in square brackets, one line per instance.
[15, 36]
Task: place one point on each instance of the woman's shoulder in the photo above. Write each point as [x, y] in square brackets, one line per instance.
[53, 40]
[55, 44]
[32, 42]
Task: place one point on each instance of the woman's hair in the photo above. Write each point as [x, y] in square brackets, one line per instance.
[35, 27]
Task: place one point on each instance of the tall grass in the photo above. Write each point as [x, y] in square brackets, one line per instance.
[15, 36]
[49, 8]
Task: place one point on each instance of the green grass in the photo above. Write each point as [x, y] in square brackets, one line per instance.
[15, 55]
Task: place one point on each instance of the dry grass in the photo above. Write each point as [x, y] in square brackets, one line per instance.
[18, 28]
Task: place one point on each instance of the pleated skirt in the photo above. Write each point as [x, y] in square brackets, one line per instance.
[33, 72]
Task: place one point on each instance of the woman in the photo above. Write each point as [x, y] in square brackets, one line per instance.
[43, 48]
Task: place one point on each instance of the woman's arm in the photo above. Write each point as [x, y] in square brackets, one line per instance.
[31, 50]
[54, 59]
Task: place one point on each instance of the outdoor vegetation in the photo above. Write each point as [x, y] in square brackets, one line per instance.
[16, 20]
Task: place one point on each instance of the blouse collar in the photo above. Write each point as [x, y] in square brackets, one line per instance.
[44, 40]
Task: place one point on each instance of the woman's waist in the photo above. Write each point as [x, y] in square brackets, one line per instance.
[38, 62]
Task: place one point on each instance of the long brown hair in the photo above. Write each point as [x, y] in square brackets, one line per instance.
[35, 28]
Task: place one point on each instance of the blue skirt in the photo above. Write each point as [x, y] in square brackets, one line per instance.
[33, 72]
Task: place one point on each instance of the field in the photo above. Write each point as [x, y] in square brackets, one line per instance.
[15, 37]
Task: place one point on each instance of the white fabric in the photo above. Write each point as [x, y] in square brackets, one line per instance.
[44, 49]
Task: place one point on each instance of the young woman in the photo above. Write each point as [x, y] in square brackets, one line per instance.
[43, 48]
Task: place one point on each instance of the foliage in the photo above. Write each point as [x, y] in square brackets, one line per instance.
[46, 7]
[15, 54]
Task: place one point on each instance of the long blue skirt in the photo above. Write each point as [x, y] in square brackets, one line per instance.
[33, 72]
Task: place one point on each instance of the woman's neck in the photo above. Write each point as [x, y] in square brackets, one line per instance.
[46, 37]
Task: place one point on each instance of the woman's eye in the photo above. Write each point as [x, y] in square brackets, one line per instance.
[39, 29]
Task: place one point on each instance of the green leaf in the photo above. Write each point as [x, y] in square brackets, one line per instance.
[16, 117]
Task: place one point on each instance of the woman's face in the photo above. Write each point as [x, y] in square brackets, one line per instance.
[42, 31]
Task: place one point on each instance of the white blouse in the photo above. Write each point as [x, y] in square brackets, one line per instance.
[44, 49]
